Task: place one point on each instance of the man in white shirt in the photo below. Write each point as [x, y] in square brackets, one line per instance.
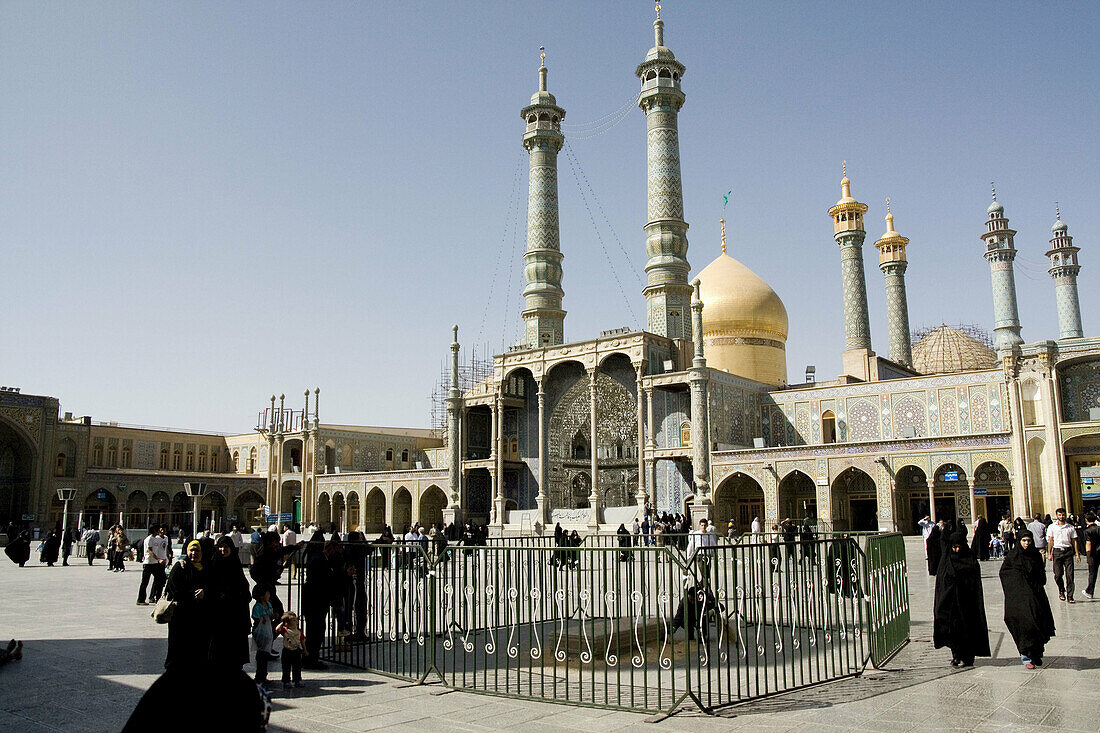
[290, 537]
[701, 539]
[153, 564]
[1062, 538]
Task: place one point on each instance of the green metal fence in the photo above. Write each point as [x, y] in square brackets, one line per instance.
[641, 628]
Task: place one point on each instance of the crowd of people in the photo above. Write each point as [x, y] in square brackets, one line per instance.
[959, 607]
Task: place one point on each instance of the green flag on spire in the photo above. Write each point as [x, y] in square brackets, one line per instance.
[726, 198]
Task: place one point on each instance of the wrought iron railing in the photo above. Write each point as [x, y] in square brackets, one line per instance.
[641, 628]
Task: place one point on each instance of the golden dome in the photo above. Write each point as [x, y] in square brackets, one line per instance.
[744, 322]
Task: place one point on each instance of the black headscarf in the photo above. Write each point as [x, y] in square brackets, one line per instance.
[1027, 610]
[934, 548]
[959, 610]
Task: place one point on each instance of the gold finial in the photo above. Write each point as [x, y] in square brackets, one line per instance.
[994, 187]
[844, 166]
[889, 218]
[542, 55]
[658, 11]
[1057, 212]
[888, 205]
[723, 223]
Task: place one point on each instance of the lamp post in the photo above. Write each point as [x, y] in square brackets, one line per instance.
[65, 495]
[196, 490]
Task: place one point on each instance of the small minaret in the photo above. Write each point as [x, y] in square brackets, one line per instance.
[667, 292]
[543, 317]
[848, 231]
[892, 262]
[1064, 268]
[454, 432]
[1000, 252]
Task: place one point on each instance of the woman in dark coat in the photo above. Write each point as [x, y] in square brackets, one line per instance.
[51, 547]
[959, 610]
[843, 568]
[624, 543]
[980, 545]
[385, 540]
[230, 620]
[189, 627]
[933, 547]
[1027, 610]
[19, 549]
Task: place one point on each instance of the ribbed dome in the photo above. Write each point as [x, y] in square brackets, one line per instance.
[949, 349]
[744, 322]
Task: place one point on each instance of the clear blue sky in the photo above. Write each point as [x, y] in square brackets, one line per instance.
[203, 203]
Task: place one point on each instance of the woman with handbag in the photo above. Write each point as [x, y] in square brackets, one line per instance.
[189, 624]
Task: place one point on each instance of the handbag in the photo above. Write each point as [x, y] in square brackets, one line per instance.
[162, 612]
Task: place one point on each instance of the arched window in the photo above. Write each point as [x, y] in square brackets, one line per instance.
[389, 455]
[59, 465]
[97, 454]
[685, 434]
[214, 460]
[237, 461]
[405, 456]
[579, 447]
[1029, 402]
[252, 460]
[828, 427]
[112, 456]
[177, 460]
[163, 459]
[202, 459]
[127, 456]
[190, 460]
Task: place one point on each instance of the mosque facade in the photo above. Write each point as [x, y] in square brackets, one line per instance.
[694, 414]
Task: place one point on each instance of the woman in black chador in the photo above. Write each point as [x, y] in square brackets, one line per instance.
[980, 545]
[1027, 610]
[959, 610]
[230, 620]
[624, 543]
[189, 629]
[19, 549]
[933, 547]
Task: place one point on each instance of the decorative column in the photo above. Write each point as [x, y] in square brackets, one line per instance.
[848, 231]
[651, 448]
[892, 262]
[1000, 253]
[700, 427]
[498, 463]
[640, 494]
[541, 501]
[970, 485]
[309, 453]
[453, 512]
[1064, 268]
[594, 492]
[931, 483]
[277, 452]
[667, 291]
[543, 316]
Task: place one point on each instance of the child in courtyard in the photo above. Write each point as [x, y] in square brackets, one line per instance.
[263, 616]
[293, 649]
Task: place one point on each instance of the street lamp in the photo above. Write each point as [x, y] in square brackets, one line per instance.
[196, 490]
[65, 495]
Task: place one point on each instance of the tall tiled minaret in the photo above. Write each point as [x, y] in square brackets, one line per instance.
[892, 262]
[543, 317]
[1000, 252]
[848, 231]
[1064, 268]
[667, 292]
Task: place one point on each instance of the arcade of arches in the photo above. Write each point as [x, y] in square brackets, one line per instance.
[347, 511]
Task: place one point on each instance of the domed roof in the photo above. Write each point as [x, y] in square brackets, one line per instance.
[736, 299]
[1059, 226]
[951, 349]
[995, 207]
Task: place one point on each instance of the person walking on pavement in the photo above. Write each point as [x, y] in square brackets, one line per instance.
[154, 564]
[959, 608]
[1027, 610]
[1092, 551]
[1062, 538]
[67, 545]
[90, 538]
[1038, 530]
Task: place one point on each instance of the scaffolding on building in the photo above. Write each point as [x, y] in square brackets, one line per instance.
[470, 373]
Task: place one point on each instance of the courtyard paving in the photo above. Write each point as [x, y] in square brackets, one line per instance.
[90, 653]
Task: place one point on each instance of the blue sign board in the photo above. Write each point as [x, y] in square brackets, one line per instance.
[978, 491]
[950, 475]
[284, 517]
